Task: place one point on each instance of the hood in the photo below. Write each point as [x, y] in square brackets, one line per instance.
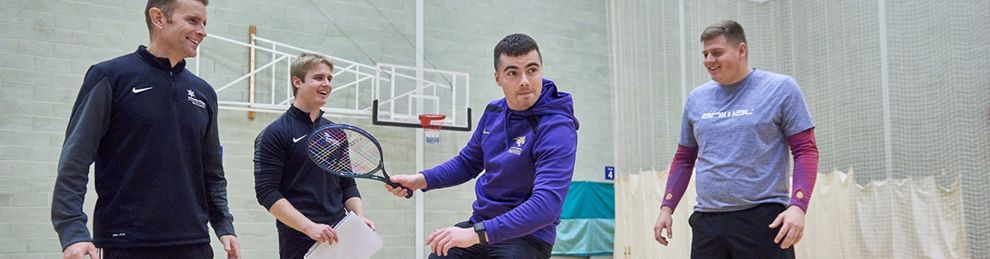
[551, 102]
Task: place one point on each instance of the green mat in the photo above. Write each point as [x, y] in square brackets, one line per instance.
[587, 222]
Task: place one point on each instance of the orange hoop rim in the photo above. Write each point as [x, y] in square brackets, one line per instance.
[426, 120]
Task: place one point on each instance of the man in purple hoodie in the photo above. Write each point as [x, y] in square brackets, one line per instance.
[525, 143]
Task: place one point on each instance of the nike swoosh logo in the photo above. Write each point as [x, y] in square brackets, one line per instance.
[136, 90]
[294, 140]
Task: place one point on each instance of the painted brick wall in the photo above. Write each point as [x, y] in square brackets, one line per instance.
[47, 46]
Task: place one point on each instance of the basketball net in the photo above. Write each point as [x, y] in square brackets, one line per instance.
[431, 127]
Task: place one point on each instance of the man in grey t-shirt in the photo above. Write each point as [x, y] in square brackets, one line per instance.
[736, 132]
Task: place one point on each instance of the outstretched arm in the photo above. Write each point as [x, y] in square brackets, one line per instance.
[459, 169]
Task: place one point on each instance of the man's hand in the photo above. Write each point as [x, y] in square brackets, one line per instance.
[664, 221]
[321, 233]
[231, 246]
[80, 251]
[412, 181]
[442, 240]
[791, 223]
[367, 222]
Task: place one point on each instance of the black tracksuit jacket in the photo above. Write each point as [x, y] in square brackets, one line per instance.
[283, 170]
[151, 129]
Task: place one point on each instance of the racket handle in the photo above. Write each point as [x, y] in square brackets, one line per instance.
[409, 192]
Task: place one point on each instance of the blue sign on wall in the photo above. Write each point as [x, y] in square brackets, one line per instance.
[609, 173]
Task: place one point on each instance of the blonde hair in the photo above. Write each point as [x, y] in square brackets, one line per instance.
[303, 63]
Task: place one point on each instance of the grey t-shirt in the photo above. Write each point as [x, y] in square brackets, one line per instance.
[741, 133]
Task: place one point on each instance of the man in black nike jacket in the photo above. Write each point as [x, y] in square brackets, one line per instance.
[305, 200]
[150, 126]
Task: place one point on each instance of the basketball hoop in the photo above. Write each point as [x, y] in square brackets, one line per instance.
[431, 126]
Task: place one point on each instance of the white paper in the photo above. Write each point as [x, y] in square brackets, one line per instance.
[354, 240]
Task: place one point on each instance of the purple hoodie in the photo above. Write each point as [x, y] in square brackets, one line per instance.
[528, 159]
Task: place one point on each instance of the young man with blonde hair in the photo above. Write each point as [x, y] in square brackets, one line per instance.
[150, 126]
[305, 200]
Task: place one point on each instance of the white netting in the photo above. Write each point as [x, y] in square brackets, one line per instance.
[897, 90]
[431, 123]
[432, 136]
[847, 221]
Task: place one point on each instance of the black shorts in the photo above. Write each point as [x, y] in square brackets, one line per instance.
[195, 251]
[737, 234]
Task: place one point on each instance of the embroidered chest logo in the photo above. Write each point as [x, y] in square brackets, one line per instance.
[520, 141]
[192, 99]
[139, 90]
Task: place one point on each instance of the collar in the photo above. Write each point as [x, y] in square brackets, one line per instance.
[741, 82]
[301, 115]
[158, 62]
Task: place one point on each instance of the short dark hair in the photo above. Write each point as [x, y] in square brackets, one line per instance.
[732, 31]
[166, 6]
[515, 45]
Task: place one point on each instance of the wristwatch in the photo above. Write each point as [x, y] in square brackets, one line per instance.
[480, 229]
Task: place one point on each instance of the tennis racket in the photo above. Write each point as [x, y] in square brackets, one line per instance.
[349, 151]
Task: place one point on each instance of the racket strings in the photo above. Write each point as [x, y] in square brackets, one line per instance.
[343, 151]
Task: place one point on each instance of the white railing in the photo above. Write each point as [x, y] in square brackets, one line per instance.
[443, 94]
[357, 85]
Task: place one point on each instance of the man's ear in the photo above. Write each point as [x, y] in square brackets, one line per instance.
[743, 49]
[296, 81]
[158, 18]
[498, 80]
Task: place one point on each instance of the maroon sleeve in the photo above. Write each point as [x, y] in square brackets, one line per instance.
[680, 175]
[805, 153]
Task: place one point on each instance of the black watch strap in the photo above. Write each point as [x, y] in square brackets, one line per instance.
[480, 229]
